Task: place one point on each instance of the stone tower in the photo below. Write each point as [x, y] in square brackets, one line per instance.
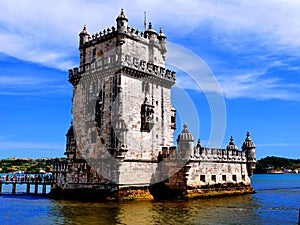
[122, 91]
[120, 144]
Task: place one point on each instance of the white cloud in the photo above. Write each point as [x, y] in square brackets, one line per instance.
[46, 32]
[34, 23]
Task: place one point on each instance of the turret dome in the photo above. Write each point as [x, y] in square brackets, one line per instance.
[84, 31]
[248, 142]
[231, 145]
[122, 16]
[161, 34]
[185, 135]
[150, 31]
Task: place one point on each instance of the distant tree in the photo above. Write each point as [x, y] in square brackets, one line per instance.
[278, 163]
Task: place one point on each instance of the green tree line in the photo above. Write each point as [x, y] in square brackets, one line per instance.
[27, 165]
[278, 163]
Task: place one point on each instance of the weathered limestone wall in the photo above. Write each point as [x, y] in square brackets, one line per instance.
[136, 173]
[146, 145]
[204, 173]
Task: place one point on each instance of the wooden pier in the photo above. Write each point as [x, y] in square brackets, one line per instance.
[28, 184]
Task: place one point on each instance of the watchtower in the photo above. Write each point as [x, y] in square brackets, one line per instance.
[122, 92]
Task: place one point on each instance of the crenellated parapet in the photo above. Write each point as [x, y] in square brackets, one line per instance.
[128, 64]
[230, 154]
[123, 48]
[149, 36]
[202, 154]
[217, 154]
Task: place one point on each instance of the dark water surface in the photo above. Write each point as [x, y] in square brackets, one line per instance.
[277, 201]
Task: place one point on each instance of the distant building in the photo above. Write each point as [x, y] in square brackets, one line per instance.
[120, 143]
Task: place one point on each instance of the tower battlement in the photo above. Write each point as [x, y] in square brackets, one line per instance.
[122, 44]
[221, 155]
[157, 39]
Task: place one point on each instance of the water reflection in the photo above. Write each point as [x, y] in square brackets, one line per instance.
[227, 210]
[277, 201]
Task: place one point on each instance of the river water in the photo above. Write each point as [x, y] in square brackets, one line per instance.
[277, 201]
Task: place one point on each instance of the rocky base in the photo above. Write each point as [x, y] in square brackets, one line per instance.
[134, 193]
[208, 192]
[157, 192]
[96, 195]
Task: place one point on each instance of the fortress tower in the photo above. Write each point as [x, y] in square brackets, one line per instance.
[126, 91]
[121, 140]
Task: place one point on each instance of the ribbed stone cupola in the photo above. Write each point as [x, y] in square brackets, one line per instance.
[185, 135]
[231, 145]
[248, 143]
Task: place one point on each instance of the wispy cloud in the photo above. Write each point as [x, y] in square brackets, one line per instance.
[22, 81]
[245, 84]
[257, 85]
[278, 145]
[30, 149]
[31, 86]
[46, 32]
[31, 30]
[30, 145]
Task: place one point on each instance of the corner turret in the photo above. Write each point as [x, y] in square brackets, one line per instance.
[185, 142]
[250, 152]
[163, 42]
[83, 37]
[122, 22]
[150, 33]
[71, 144]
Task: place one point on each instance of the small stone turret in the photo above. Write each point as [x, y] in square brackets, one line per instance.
[150, 33]
[122, 22]
[83, 36]
[185, 142]
[249, 149]
[163, 42]
[71, 144]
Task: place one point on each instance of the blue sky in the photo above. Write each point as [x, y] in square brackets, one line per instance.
[251, 47]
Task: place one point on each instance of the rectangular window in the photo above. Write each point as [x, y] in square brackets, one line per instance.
[224, 177]
[243, 177]
[93, 137]
[202, 178]
[214, 178]
[234, 177]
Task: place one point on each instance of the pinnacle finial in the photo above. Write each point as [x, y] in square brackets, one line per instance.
[198, 143]
[122, 16]
[150, 26]
[231, 141]
[84, 30]
[184, 126]
[248, 136]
